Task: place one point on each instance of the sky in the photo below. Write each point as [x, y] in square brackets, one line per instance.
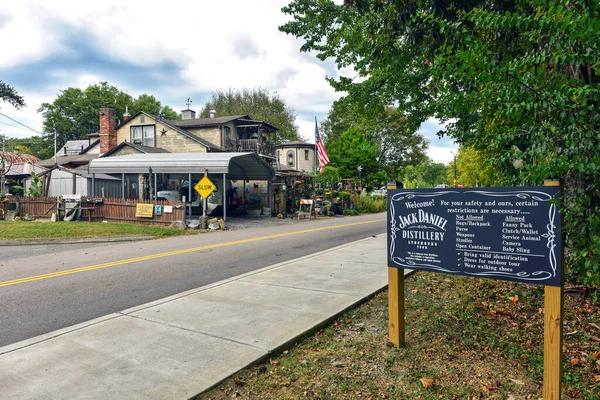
[173, 50]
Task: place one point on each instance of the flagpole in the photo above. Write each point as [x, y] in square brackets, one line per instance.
[315, 181]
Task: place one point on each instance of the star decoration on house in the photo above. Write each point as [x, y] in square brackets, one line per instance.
[163, 132]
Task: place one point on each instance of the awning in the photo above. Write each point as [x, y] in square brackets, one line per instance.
[235, 165]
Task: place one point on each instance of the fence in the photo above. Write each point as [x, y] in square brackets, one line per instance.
[38, 207]
[104, 209]
[124, 210]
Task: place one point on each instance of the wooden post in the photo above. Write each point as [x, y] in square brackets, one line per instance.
[553, 332]
[396, 296]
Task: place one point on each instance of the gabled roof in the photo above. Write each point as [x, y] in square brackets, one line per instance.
[205, 122]
[73, 147]
[169, 123]
[92, 145]
[138, 147]
[240, 120]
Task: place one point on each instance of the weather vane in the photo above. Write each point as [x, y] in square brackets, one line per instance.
[188, 102]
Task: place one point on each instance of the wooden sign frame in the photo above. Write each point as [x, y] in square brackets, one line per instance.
[553, 316]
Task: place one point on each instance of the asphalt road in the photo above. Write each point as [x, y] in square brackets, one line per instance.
[48, 289]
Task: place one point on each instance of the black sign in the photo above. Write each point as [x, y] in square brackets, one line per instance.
[499, 233]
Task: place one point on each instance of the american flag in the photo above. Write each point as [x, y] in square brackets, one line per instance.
[321, 153]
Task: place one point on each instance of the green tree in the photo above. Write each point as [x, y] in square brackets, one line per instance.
[33, 145]
[515, 79]
[74, 113]
[397, 142]
[476, 169]
[260, 104]
[427, 174]
[354, 149]
[9, 94]
[151, 105]
[329, 178]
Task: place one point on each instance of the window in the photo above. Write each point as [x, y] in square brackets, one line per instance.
[290, 158]
[227, 136]
[306, 154]
[143, 135]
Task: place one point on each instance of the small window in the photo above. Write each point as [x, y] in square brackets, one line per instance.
[143, 135]
[290, 158]
[306, 154]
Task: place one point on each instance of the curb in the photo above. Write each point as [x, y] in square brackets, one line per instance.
[96, 239]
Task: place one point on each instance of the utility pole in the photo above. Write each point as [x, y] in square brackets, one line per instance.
[2, 168]
[455, 181]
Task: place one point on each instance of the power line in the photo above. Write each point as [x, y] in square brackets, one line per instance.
[14, 120]
[14, 126]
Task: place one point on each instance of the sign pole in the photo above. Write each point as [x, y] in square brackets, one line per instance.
[204, 200]
[553, 333]
[396, 296]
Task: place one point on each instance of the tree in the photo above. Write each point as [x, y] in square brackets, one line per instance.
[398, 143]
[353, 149]
[476, 169]
[515, 79]
[9, 95]
[260, 105]
[153, 106]
[427, 174]
[74, 113]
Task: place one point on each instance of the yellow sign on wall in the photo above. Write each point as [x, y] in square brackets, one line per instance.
[144, 210]
[205, 187]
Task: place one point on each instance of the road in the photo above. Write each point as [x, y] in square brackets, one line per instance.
[40, 293]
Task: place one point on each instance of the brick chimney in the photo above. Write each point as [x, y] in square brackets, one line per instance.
[108, 133]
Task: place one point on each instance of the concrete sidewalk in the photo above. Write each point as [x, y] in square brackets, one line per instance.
[180, 346]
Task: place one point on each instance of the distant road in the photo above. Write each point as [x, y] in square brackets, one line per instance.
[48, 288]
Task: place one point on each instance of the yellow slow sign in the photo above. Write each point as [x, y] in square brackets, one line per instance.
[205, 187]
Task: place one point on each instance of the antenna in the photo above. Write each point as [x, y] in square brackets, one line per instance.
[188, 102]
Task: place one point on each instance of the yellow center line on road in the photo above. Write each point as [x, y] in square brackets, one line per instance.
[173, 253]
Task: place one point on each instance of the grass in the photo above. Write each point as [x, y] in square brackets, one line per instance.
[52, 230]
[473, 338]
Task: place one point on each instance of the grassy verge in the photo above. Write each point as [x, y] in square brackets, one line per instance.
[43, 230]
[466, 339]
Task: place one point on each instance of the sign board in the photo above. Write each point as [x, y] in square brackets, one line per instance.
[157, 210]
[71, 198]
[144, 210]
[205, 187]
[499, 233]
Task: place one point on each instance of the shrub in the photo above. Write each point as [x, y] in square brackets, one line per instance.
[350, 211]
[368, 204]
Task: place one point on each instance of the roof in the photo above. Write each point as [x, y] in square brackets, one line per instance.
[13, 157]
[201, 122]
[23, 168]
[87, 175]
[240, 120]
[170, 124]
[295, 143]
[74, 159]
[235, 165]
[138, 147]
[92, 145]
[73, 147]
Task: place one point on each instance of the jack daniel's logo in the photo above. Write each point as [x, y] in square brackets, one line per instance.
[422, 217]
